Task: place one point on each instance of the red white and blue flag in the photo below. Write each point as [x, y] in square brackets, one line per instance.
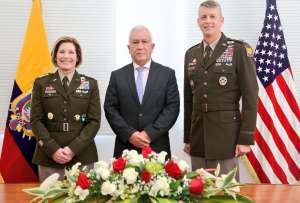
[275, 157]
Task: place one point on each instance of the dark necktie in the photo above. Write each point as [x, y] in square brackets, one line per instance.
[207, 53]
[65, 82]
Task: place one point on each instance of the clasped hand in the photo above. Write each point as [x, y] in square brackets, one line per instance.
[63, 155]
[140, 139]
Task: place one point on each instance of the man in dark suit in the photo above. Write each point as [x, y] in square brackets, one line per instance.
[219, 72]
[142, 99]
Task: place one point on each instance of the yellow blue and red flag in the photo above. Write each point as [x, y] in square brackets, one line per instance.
[18, 145]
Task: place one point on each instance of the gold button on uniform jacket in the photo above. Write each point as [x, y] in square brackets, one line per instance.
[214, 120]
[61, 118]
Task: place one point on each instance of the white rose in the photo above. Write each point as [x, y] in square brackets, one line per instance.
[75, 169]
[108, 188]
[162, 157]
[134, 158]
[104, 173]
[130, 175]
[183, 166]
[101, 164]
[160, 186]
[82, 194]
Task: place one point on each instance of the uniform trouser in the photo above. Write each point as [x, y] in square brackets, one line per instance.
[45, 171]
[226, 165]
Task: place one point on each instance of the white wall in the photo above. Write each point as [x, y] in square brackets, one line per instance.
[102, 28]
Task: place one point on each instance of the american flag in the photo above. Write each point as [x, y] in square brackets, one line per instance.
[275, 157]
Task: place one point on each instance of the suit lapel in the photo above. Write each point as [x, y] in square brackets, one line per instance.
[58, 85]
[151, 81]
[131, 83]
[75, 82]
[219, 49]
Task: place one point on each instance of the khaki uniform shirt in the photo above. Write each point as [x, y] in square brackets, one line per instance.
[214, 122]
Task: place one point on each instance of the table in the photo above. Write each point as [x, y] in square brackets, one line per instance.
[260, 193]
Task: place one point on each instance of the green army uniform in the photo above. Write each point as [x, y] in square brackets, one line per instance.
[213, 121]
[61, 118]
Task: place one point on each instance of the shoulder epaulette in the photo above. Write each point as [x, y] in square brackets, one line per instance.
[248, 48]
[195, 46]
[45, 74]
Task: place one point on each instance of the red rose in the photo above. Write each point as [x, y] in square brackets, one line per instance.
[119, 165]
[173, 169]
[196, 186]
[146, 151]
[145, 176]
[83, 181]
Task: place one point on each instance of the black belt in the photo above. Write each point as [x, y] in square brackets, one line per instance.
[205, 107]
[63, 126]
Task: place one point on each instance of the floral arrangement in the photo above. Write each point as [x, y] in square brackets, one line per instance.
[141, 178]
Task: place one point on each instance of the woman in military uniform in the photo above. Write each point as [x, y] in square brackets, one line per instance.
[65, 113]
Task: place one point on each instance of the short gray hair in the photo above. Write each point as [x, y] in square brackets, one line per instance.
[210, 4]
[139, 27]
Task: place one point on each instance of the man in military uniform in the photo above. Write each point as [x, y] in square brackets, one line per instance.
[219, 72]
[65, 113]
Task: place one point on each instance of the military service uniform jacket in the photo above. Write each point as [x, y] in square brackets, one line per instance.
[213, 121]
[61, 118]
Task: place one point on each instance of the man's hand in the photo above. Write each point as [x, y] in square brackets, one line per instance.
[139, 139]
[60, 157]
[145, 135]
[187, 148]
[242, 149]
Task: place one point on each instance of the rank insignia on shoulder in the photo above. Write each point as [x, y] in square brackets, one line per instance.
[45, 74]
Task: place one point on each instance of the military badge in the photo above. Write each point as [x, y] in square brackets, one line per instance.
[226, 57]
[249, 51]
[84, 86]
[83, 118]
[20, 114]
[223, 80]
[77, 117]
[193, 62]
[50, 116]
[50, 90]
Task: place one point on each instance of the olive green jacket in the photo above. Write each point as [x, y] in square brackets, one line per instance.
[214, 121]
[60, 118]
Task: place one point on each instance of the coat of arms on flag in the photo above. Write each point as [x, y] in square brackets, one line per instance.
[20, 117]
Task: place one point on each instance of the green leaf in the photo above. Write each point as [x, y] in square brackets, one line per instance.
[56, 191]
[229, 178]
[175, 184]
[192, 175]
[35, 191]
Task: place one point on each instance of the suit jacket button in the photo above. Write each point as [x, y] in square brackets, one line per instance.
[140, 114]
[205, 72]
